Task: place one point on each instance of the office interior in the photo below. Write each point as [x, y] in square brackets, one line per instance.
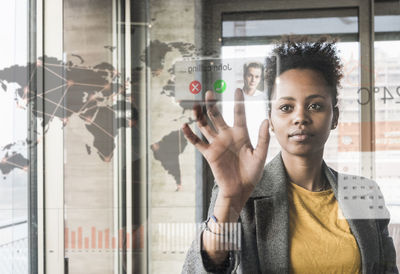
[96, 174]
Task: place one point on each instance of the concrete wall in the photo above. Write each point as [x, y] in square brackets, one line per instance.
[88, 182]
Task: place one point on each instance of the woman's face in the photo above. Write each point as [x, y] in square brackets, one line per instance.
[302, 114]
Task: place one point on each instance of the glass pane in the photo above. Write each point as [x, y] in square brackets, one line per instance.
[135, 190]
[343, 143]
[181, 73]
[102, 112]
[255, 104]
[14, 157]
[387, 115]
[174, 185]
[277, 27]
[90, 110]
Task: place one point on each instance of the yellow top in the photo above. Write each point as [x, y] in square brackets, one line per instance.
[320, 241]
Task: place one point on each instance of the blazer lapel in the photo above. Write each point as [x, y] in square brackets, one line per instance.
[272, 218]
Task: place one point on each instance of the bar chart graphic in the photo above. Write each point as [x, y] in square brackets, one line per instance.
[103, 239]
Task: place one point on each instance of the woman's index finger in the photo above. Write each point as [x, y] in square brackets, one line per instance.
[239, 109]
[214, 113]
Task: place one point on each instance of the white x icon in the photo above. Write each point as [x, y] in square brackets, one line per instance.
[195, 87]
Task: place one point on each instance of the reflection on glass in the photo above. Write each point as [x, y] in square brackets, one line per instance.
[387, 112]
[277, 27]
[387, 125]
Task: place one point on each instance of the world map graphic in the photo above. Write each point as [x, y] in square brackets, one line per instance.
[92, 93]
[87, 92]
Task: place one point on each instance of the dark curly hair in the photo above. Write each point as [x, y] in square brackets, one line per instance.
[300, 52]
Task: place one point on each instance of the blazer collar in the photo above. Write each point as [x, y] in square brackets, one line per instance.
[274, 180]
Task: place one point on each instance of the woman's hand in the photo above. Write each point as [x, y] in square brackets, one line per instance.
[236, 165]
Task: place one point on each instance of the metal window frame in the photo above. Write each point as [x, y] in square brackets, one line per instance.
[51, 165]
[33, 201]
[131, 178]
[387, 8]
[46, 193]
[285, 14]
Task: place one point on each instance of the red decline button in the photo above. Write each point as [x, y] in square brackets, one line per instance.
[195, 87]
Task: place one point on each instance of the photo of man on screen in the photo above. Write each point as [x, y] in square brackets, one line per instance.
[253, 75]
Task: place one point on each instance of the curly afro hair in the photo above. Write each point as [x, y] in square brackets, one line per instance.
[302, 53]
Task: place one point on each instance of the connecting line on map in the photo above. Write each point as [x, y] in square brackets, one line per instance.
[96, 125]
[95, 106]
[106, 158]
[41, 112]
[80, 115]
[58, 105]
[4, 160]
[106, 97]
[70, 84]
[32, 74]
[91, 98]
[53, 89]
[88, 85]
[115, 72]
[54, 103]
[52, 72]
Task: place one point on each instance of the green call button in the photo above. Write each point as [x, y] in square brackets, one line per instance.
[219, 86]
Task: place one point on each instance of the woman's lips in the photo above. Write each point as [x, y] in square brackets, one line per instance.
[300, 137]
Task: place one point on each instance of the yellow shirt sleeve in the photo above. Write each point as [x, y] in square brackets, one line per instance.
[320, 238]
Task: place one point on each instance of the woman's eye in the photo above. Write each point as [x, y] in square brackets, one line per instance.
[315, 106]
[285, 108]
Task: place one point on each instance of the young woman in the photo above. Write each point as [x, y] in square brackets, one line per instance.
[288, 211]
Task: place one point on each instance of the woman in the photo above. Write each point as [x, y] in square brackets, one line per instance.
[288, 211]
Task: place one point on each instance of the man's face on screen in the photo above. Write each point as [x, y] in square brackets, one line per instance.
[252, 79]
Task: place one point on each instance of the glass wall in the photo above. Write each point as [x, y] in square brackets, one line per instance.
[254, 38]
[172, 161]
[90, 129]
[386, 94]
[102, 116]
[121, 188]
[14, 143]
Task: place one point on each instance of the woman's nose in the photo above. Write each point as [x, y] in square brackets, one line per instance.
[301, 117]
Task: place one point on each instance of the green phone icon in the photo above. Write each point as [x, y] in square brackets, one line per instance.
[219, 86]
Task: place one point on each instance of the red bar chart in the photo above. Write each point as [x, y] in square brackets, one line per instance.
[103, 239]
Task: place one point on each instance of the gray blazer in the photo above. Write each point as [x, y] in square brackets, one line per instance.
[265, 230]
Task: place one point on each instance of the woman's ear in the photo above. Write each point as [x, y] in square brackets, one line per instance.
[335, 119]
